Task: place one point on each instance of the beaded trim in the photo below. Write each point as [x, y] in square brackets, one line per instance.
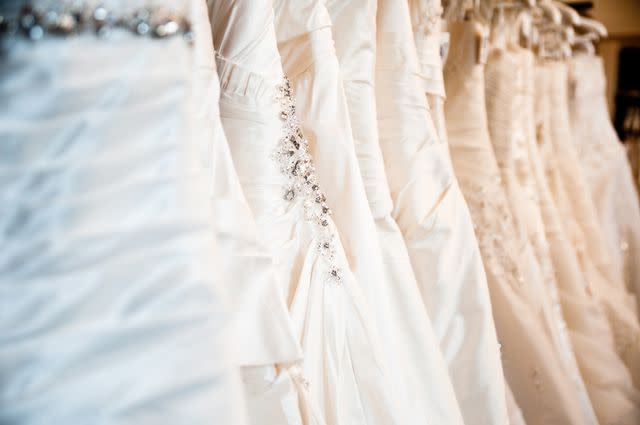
[295, 162]
[36, 22]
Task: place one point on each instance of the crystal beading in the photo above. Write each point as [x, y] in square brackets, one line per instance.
[294, 160]
[68, 18]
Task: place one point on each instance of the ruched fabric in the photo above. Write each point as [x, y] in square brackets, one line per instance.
[111, 307]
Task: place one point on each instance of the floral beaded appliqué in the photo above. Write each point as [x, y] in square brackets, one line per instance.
[294, 160]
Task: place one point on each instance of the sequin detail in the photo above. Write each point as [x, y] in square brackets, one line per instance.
[294, 160]
[70, 18]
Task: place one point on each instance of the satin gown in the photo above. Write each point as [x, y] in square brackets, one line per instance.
[112, 309]
[429, 208]
[420, 373]
[262, 327]
[505, 88]
[342, 376]
[605, 165]
[610, 388]
[542, 391]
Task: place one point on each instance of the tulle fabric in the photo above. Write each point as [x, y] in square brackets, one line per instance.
[529, 358]
[606, 281]
[419, 372]
[112, 311]
[610, 388]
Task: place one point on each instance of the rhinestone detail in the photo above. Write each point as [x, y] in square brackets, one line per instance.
[67, 19]
[294, 161]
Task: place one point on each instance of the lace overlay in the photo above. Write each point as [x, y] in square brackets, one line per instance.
[494, 226]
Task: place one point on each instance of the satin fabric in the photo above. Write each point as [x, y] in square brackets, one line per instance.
[610, 388]
[605, 166]
[606, 281]
[430, 210]
[342, 378]
[505, 88]
[529, 357]
[419, 371]
[112, 311]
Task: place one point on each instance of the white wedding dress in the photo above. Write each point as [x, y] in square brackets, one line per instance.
[420, 373]
[610, 388]
[342, 376]
[112, 310]
[606, 167]
[530, 360]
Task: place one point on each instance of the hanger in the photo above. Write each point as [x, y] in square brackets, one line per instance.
[591, 26]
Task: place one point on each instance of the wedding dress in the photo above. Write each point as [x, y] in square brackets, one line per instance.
[430, 210]
[610, 388]
[605, 165]
[606, 281]
[264, 333]
[505, 88]
[529, 358]
[420, 372]
[112, 311]
[342, 377]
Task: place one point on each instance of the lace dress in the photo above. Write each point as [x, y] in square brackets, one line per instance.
[606, 168]
[610, 389]
[419, 366]
[529, 357]
[507, 68]
[112, 308]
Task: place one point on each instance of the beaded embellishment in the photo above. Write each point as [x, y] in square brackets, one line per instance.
[70, 18]
[294, 160]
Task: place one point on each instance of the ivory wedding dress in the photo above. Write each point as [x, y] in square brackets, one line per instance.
[430, 210]
[342, 377]
[264, 333]
[529, 357]
[505, 88]
[606, 281]
[606, 167]
[610, 388]
[419, 371]
[112, 311]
